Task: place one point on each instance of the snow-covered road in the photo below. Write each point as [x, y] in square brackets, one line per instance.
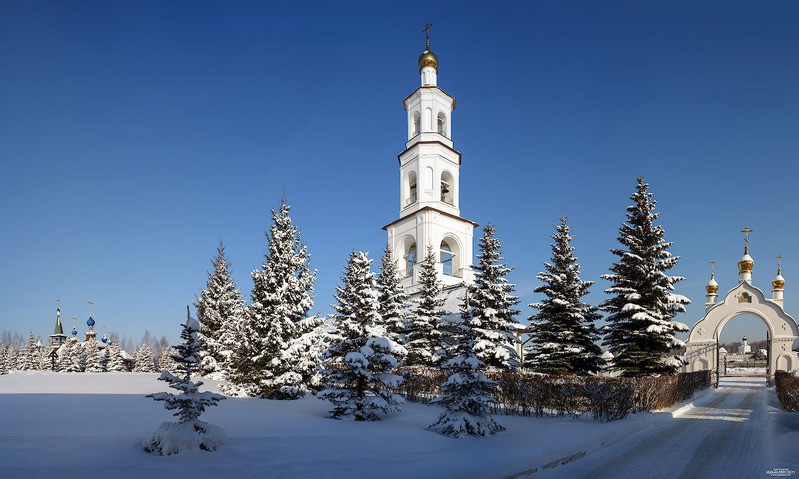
[721, 435]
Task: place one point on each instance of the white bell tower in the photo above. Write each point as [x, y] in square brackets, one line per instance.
[429, 215]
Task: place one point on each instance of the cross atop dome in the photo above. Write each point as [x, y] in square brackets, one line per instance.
[746, 264]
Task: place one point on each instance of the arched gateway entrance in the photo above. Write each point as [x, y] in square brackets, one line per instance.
[744, 299]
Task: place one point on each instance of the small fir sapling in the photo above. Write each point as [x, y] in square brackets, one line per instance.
[189, 432]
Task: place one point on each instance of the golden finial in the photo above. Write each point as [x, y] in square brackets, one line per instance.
[428, 58]
[91, 304]
[74, 322]
[712, 286]
[779, 281]
[747, 263]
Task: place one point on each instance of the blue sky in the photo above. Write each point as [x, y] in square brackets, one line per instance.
[136, 135]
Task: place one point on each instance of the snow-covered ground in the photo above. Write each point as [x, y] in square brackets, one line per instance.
[91, 425]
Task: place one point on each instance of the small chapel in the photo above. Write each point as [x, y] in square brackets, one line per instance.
[429, 219]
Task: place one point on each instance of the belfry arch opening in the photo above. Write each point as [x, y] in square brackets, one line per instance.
[416, 124]
[447, 188]
[410, 189]
[410, 258]
[450, 258]
[442, 124]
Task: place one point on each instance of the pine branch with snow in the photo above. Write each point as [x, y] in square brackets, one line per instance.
[641, 328]
[492, 301]
[360, 360]
[467, 394]
[564, 337]
[189, 432]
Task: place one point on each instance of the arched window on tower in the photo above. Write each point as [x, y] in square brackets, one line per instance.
[442, 124]
[447, 257]
[410, 260]
[416, 124]
[447, 188]
[410, 193]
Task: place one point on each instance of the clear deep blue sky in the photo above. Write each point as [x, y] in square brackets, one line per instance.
[136, 135]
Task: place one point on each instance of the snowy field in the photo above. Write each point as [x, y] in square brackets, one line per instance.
[91, 425]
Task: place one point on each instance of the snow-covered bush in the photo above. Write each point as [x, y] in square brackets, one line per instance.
[189, 432]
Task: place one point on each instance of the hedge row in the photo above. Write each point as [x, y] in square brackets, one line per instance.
[607, 399]
[787, 386]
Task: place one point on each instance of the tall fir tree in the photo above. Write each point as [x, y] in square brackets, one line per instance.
[93, 357]
[641, 331]
[276, 359]
[220, 309]
[144, 362]
[492, 305]
[12, 358]
[564, 333]
[4, 369]
[360, 359]
[425, 338]
[392, 298]
[29, 358]
[67, 361]
[467, 394]
[116, 363]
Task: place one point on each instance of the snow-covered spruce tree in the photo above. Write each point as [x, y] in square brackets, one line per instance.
[467, 393]
[30, 355]
[66, 359]
[220, 307]
[424, 339]
[93, 357]
[166, 363]
[116, 362]
[392, 298]
[360, 359]
[564, 334]
[80, 357]
[492, 305]
[640, 329]
[276, 358]
[11, 358]
[3, 358]
[189, 432]
[143, 360]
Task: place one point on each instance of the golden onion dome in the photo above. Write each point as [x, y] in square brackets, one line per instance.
[712, 286]
[428, 59]
[746, 264]
[778, 282]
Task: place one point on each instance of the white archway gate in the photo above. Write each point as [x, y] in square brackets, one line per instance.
[745, 299]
